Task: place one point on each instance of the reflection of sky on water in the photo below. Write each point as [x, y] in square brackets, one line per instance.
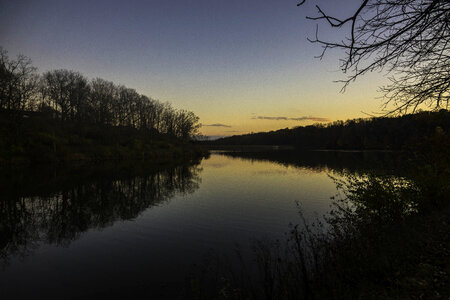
[234, 200]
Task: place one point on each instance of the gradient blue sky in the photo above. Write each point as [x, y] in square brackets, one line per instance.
[231, 62]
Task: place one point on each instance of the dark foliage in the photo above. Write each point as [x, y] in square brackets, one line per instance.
[42, 139]
[384, 133]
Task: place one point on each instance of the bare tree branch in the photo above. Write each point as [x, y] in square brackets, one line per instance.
[409, 39]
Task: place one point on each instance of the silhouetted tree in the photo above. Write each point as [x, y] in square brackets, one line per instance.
[18, 83]
[410, 39]
[67, 92]
[69, 96]
[103, 95]
[187, 124]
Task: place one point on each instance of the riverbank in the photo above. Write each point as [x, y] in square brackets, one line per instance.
[36, 139]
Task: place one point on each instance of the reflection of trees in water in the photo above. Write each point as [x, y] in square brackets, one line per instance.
[337, 161]
[62, 215]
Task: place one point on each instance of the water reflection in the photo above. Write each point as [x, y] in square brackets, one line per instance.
[229, 198]
[362, 238]
[338, 161]
[56, 206]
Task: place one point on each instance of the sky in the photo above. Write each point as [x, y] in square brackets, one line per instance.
[240, 65]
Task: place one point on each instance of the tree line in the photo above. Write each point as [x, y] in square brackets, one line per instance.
[69, 96]
[384, 133]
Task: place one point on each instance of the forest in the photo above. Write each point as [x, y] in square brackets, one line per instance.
[382, 133]
[63, 109]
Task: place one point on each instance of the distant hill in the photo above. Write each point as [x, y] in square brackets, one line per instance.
[383, 133]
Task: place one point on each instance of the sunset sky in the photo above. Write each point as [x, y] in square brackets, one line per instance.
[241, 65]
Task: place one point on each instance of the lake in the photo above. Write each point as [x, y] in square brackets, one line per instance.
[119, 230]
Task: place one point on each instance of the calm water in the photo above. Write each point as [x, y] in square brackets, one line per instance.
[131, 230]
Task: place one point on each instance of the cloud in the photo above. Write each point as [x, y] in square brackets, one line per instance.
[233, 131]
[217, 125]
[315, 119]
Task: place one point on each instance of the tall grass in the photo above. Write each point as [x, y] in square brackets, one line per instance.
[370, 245]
